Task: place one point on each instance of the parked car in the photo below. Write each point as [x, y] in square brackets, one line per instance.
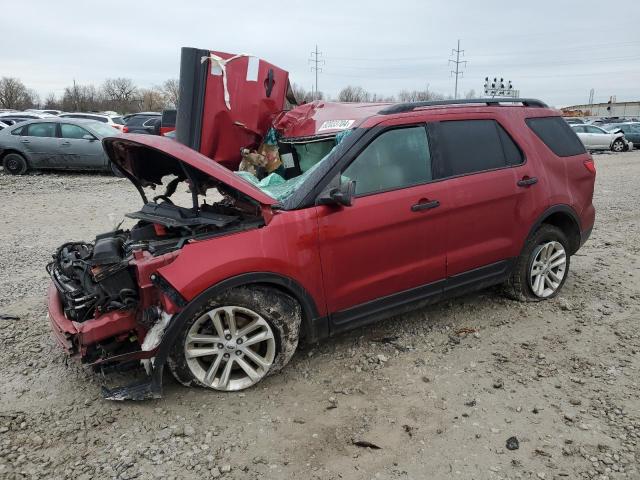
[55, 143]
[143, 122]
[396, 206]
[630, 130]
[114, 121]
[3, 125]
[12, 118]
[574, 120]
[168, 123]
[596, 138]
[50, 112]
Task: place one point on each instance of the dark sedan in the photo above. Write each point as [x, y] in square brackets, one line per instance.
[55, 143]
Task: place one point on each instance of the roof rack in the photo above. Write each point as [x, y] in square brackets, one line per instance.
[491, 102]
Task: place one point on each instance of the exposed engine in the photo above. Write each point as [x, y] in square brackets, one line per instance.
[94, 278]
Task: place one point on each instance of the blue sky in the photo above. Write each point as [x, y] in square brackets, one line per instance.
[553, 50]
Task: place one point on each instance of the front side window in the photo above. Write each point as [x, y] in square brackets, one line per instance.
[41, 130]
[470, 146]
[579, 129]
[72, 131]
[397, 158]
[591, 129]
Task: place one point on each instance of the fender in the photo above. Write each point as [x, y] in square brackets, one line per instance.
[314, 327]
[561, 208]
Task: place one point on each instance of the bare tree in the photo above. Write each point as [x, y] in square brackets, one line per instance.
[353, 94]
[470, 94]
[171, 91]
[14, 94]
[120, 94]
[52, 102]
[419, 96]
[81, 98]
[152, 99]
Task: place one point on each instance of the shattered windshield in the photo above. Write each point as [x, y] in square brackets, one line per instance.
[310, 156]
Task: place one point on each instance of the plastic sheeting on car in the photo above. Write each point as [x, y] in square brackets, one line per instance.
[277, 187]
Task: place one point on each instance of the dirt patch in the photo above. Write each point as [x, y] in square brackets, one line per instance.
[440, 391]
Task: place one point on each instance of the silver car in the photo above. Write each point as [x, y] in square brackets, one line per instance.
[56, 143]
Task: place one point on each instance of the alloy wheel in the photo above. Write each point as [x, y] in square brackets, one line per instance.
[618, 146]
[230, 348]
[548, 269]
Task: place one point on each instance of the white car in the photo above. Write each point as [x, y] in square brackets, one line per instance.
[3, 125]
[595, 138]
[114, 121]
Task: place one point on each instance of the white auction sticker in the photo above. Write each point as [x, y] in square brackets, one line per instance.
[336, 125]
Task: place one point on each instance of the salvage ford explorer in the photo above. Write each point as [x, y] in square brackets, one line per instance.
[368, 210]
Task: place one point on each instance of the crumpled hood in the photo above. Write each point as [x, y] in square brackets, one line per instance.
[146, 159]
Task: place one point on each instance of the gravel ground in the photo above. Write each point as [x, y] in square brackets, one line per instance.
[440, 391]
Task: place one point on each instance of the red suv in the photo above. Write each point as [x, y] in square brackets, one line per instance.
[378, 209]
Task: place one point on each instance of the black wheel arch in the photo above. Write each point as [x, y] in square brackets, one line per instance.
[566, 219]
[274, 280]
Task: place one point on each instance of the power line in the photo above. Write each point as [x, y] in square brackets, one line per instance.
[316, 66]
[457, 62]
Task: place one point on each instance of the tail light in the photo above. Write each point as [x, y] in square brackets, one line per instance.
[125, 129]
[590, 165]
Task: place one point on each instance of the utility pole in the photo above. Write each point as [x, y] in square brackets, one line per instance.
[317, 67]
[457, 72]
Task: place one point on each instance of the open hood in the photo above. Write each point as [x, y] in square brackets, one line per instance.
[146, 159]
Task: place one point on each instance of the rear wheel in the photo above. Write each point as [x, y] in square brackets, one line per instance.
[543, 266]
[617, 145]
[237, 339]
[15, 164]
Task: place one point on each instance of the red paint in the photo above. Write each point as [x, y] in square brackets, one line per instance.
[346, 256]
[226, 130]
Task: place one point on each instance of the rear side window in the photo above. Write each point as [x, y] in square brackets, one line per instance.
[470, 146]
[395, 159]
[17, 131]
[41, 130]
[557, 135]
[136, 120]
[117, 120]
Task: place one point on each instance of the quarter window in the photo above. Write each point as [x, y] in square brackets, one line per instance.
[41, 130]
[557, 135]
[470, 146]
[395, 159]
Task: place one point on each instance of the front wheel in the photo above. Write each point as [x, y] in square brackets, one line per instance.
[15, 164]
[236, 339]
[617, 145]
[542, 268]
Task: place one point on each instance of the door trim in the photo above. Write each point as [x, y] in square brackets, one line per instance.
[418, 297]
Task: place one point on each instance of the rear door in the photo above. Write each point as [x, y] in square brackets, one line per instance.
[475, 162]
[40, 143]
[390, 241]
[79, 148]
[598, 138]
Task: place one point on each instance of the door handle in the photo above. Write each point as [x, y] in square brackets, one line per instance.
[527, 181]
[425, 205]
[24, 141]
[65, 143]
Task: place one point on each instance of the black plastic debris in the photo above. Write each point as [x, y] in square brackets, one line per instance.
[513, 443]
[6, 316]
[366, 444]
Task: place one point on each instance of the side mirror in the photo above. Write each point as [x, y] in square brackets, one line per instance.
[341, 195]
[91, 138]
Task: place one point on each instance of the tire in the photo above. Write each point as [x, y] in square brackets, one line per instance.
[617, 146]
[15, 164]
[116, 171]
[522, 283]
[205, 364]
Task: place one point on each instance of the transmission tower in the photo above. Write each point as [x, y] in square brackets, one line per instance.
[457, 62]
[316, 66]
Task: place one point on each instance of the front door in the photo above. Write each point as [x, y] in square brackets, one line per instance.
[79, 148]
[390, 241]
